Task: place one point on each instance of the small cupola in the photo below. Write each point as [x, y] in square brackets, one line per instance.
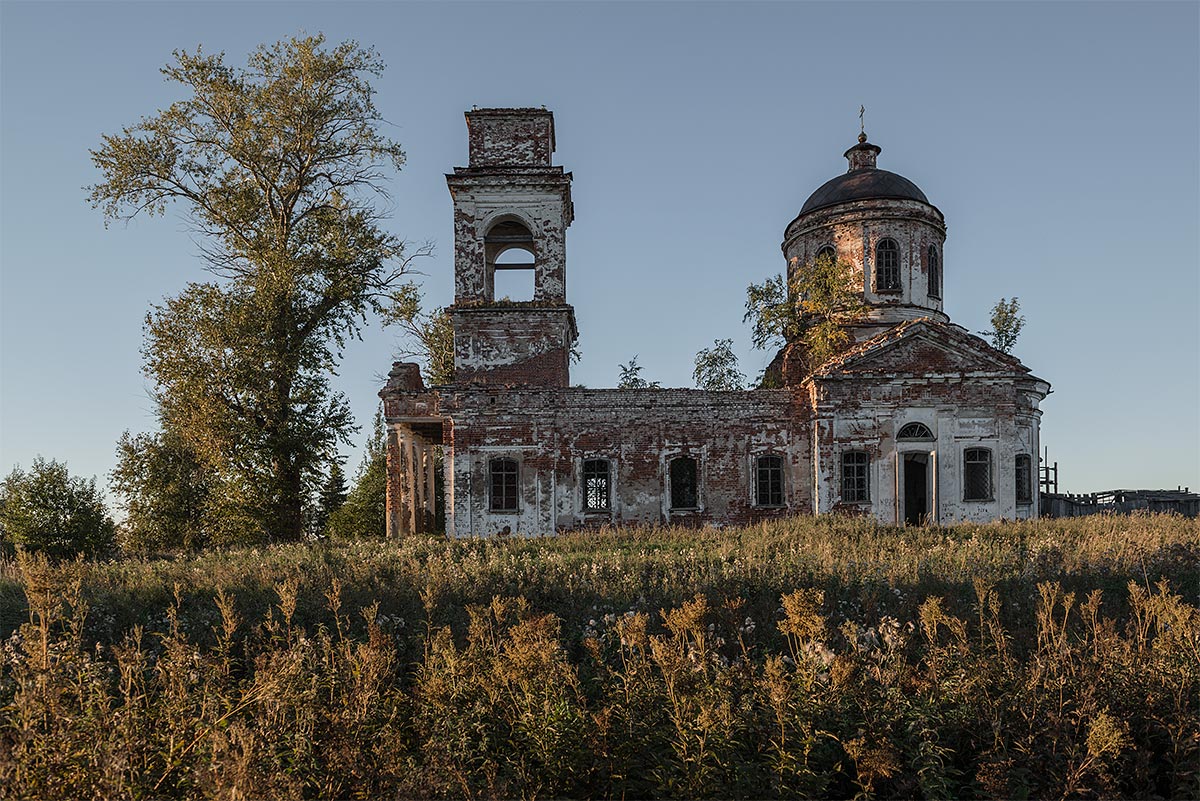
[862, 156]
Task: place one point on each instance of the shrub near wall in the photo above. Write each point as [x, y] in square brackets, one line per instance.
[861, 678]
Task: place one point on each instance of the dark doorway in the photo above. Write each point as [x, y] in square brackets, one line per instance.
[916, 489]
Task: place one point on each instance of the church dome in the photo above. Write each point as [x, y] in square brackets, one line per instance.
[864, 181]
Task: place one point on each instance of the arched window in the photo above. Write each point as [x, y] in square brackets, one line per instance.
[513, 278]
[503, 479]
[510, 254]
[597, 485]
[977, 474]
[856, 477]
[887, 266]
[915, 431]
[827, 253]
[684, 485]
[935, 273]
[769, 481]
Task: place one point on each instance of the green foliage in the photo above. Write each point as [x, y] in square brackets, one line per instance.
[332, 497]
[49, 511]
[823, 299]
[806, 658]
[166, 492]
[774, 318]
[717, 368]
[1007, 322]
[364, 512]
[276, 166]
[430, 334]
[631, 377]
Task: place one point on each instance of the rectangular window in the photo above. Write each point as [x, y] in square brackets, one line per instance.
[503, 474]
[596, 485]
[1024, 478]
[856, 481]
[769, 483]
[684, 493]
[977, 474]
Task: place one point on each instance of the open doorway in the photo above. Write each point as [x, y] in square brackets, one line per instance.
[917, 489]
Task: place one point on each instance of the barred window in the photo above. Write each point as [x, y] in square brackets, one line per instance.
[504, 474]
[977, 474]
[827, 253]
[935, 273]
[1024, 470]
[684, 494]
[769, 481]
[887, 266]
[596, 485]
[856, 477]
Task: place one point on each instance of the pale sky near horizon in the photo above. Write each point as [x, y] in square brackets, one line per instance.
[1060, 140]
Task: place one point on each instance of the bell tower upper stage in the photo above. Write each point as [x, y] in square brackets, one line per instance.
[512, 208]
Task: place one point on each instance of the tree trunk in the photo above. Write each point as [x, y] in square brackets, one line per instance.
[290, 504]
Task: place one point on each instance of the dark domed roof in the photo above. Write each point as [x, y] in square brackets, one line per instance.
[864, 181]
[863, 184]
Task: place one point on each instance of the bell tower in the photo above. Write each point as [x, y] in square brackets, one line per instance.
[512, 208]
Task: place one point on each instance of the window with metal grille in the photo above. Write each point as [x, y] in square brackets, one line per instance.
[856, 477]
[915, 431]
[887, 266]
[827, 253]
[769, 481]
[504, 474]
[1024, 478]
[684, 494]
[977, 474]
[935, 273]
[596, 485]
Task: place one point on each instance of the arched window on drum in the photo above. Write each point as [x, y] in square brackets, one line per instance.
[934, 272]
[887, 266]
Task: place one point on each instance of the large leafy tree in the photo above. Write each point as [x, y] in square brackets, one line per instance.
[279, 167]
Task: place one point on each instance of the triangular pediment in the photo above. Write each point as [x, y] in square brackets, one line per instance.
[923, 348]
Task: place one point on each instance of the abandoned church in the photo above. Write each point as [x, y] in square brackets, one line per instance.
[918, 421]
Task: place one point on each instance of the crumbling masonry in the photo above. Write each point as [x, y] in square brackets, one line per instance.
[919, 421]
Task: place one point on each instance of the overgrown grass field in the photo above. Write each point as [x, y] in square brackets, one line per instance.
[814, 657]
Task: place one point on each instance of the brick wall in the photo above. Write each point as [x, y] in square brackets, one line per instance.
[550, 432]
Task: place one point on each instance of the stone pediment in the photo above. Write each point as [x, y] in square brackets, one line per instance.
[923, 348]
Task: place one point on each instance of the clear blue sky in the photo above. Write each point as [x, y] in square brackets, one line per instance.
[1061, 142]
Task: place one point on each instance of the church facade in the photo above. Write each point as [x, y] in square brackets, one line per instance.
[917, 422]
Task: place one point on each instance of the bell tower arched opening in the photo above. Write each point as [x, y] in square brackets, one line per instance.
[511, 262]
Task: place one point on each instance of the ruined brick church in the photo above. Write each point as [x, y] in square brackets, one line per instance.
[918, 422]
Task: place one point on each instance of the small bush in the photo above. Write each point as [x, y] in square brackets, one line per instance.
[50, 511]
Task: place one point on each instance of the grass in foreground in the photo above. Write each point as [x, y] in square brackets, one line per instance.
[809, 658]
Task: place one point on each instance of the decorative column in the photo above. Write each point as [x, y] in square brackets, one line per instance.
[399, 494]
[410, 481]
